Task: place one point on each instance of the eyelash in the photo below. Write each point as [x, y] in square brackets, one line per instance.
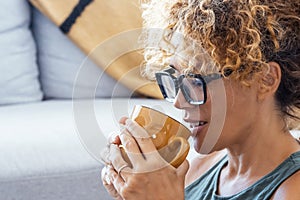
[197, 83]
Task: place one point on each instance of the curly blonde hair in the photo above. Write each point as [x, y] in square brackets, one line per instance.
[239, 36]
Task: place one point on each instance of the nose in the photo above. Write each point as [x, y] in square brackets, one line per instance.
[180, 102]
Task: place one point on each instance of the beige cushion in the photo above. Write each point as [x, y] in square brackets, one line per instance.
[108, 31]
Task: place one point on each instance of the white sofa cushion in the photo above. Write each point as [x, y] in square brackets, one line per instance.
[60, 61]
[18, 69]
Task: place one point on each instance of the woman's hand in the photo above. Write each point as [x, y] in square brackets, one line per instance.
[148, 176]
[108, 184]
[113, 139]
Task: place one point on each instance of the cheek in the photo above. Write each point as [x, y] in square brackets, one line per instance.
[241, 104]
[215, 111]
[228, 108]
[205, 142]
[240, 113]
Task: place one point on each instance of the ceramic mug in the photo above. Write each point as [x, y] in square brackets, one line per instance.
[168, 135]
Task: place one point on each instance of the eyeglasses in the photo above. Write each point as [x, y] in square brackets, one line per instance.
[192, 86]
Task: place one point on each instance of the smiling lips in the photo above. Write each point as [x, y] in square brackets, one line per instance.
[195, 124]
[197, 127]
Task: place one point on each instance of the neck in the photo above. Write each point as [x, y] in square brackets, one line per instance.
[264, 148]
[254, 156]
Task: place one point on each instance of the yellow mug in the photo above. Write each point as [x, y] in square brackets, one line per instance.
[168, 135]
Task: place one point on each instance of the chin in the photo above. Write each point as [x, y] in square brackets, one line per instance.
[198, 146]
[202, 146]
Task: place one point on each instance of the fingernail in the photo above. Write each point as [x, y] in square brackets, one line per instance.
[107, 180]
[112, 137]
[112, 177]
[122, 126]
[128, 122]
[124, 135]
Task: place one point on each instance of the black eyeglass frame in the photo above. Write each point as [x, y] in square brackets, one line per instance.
[179, 85]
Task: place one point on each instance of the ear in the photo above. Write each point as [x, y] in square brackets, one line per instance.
[270, 81]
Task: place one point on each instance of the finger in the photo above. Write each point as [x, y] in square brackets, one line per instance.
[147, 147]
[104, 156]
[117, 160]
[141, 136]
[122, 120]
[110, 187]
[117, 181]
[134, 128]
[183, 169]
[114, 138]
[131, 147]
[105, 179]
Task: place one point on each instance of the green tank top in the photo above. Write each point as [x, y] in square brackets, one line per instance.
[205, 187]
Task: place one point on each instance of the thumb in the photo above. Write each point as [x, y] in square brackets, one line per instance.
[183, 168]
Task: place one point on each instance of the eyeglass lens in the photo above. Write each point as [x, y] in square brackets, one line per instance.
[169, 87]
[193, 88]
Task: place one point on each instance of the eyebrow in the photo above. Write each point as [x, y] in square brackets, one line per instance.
[178, 64]
[173, 66]
[176, 71]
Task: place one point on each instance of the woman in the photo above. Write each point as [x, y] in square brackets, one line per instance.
[251, 48]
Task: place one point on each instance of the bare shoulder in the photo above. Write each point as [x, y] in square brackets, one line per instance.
[289, 189]
[201, 164]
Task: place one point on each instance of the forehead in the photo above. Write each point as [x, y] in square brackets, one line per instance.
[198, 64]
[178, 64]
[190, 56]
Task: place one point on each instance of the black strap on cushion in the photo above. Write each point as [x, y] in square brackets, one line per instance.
[78, 9]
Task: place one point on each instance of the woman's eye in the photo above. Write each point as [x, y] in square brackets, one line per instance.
[196, 82]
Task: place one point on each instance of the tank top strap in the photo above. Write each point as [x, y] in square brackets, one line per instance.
[203, 187]
[285, 170]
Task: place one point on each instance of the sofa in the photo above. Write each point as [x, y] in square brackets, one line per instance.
[53, 126]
